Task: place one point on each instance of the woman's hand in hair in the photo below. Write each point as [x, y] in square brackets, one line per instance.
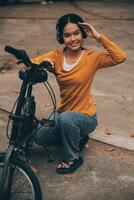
[90, 30]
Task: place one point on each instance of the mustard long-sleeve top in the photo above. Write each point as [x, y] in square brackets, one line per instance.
[75, 85]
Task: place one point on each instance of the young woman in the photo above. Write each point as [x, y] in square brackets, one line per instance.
[75, 68]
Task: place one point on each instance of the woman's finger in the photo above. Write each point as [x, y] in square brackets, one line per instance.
[83, 23]
[49, 60]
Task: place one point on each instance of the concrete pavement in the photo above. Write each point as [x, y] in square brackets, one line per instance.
[106, 174]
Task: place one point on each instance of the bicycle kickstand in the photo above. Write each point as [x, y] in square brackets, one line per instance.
[51, 159]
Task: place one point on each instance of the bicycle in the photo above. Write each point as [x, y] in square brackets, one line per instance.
[17, 178]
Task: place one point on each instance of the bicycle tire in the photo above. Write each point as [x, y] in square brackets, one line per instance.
[24, 184]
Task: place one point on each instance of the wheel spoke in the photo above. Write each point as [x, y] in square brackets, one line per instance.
[22, 183]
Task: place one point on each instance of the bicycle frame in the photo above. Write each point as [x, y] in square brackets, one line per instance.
[16, 134]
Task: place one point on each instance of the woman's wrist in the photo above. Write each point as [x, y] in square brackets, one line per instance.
[97, 36]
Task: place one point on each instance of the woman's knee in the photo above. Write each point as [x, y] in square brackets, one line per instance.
[66, 118]
[40, 136]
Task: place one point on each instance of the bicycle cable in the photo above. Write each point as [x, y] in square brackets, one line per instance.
[11, 112]
[53, 98]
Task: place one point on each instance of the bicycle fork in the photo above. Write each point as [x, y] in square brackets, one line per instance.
[5, 170]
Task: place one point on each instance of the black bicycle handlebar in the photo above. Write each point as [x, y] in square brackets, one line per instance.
[19, 54]
[22, 56]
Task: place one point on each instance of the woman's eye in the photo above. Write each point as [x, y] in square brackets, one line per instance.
[77, 33]
[66, 35]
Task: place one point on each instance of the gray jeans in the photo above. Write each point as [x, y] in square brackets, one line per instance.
[68, 129]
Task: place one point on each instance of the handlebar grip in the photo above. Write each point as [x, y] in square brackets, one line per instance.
[19, 54]
[11, 50]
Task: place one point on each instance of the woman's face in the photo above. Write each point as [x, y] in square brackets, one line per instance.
[72, 36]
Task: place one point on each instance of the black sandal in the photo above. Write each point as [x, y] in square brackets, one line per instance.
[69, 167]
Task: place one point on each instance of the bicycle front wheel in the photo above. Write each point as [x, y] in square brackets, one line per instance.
[22, 182]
